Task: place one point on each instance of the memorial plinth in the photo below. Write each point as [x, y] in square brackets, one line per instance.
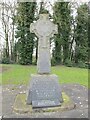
[44, 89]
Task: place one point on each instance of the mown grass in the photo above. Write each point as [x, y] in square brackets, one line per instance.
[19, 74]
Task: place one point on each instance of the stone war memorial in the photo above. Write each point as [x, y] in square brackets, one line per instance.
[44, 97]
[44, 89]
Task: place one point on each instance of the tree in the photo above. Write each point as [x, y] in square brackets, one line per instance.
[62, 16]
[12, 27]
[8, 24]
[81, 34]
[25, 16]
[5, 21]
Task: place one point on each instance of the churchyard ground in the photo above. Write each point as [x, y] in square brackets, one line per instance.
[74, 83]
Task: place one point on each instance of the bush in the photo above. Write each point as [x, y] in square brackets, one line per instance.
[34, 63]
[53, 62]
[68, 63]
[0, 62]
[12, 62]
[5, 61]
[74, 64]
[81, 64]
[88, 65]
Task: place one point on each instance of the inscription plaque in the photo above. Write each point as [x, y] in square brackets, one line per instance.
[45, 91]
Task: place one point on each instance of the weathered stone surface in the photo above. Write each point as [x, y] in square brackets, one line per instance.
[21, 107]
[44, 29]
[46, 103]
[78, 112]
[44, 91]
[43, 63]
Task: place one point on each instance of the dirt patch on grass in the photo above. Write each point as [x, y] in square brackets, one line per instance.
[3, 69]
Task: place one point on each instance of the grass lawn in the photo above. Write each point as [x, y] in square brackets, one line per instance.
[18, 74]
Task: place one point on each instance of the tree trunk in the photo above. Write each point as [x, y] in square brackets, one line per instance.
[12, 45]
[7, 44]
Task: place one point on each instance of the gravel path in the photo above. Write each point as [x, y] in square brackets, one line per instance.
[78, 93]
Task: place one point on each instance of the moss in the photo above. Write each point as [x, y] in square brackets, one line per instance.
[20, 105]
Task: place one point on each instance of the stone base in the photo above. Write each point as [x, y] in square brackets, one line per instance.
[44, 91]
[21, 107]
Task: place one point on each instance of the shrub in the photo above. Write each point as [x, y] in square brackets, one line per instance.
[81, 64]
[74, 64]
[53, 62]
[34, 63]
[68, 63]
[88, 65]
[12, 62]
[5, 61]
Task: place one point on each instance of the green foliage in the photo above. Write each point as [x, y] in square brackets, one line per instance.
[62, 16]
[63, 51]
[88, 65]
[53, 61]
[25, 16]
[81, 35]
[5, 61]
[81, 64]
[68, 63]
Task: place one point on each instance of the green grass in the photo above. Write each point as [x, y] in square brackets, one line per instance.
[71, 75]
[18, 74]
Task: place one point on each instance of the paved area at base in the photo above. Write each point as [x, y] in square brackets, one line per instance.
[78, 93]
